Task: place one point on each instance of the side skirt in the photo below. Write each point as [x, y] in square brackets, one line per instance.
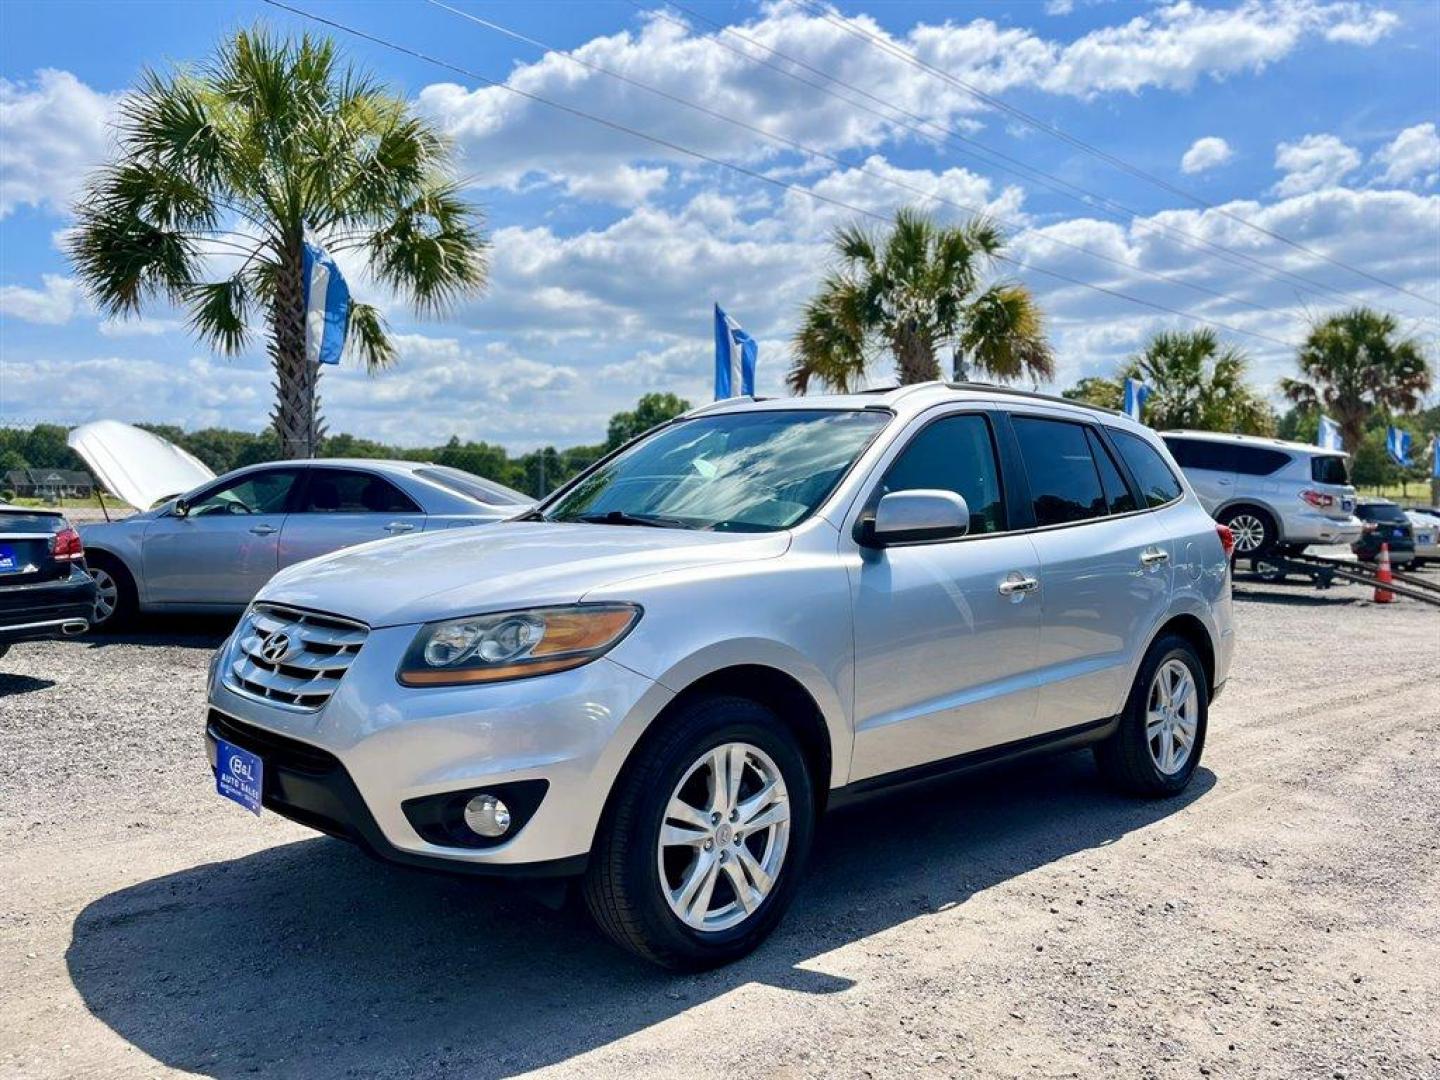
[1051, 742]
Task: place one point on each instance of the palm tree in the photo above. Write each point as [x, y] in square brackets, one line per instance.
[1353, 365]
[1197, 383]
[226, 168]
[911, 293]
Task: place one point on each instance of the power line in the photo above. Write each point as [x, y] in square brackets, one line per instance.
[803, 148]
[1089, 199]
[743, 170]
[1080, 144]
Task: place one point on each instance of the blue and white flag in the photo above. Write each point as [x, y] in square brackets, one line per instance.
[1329, 435]
[1397, 445]
[1136, 392]
[735, 353]
[327, 307]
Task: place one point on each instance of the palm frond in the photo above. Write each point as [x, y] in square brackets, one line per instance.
[220, 313]
[369, 338]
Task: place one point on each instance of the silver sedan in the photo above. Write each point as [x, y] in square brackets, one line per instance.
[211, 549]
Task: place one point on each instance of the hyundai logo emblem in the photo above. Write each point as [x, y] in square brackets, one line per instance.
[276, 648]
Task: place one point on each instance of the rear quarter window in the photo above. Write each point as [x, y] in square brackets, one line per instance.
[1158, 484]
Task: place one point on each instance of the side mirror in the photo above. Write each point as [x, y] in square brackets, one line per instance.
[182, 507]
[905, 517]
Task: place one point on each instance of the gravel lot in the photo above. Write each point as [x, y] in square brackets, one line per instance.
[1280, 920]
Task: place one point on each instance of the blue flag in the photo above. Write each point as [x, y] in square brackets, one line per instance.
[1136, 393]
[735, 354]
[1435, 458]
[327, 307]
[1329, 435]
[1397, 445]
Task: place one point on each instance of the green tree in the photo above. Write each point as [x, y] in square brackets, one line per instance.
[1097, 390]
[223, 170]
[1355, 366]
[1198, 383]
[650, 411]
[912, 293]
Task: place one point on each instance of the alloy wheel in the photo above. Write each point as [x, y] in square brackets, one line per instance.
[724, 837]
[107, 594]
[1172, 716]
[1249, 533]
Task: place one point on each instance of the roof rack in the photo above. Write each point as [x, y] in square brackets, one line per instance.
[995, 388]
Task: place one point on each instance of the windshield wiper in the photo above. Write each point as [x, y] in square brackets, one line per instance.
[624, 517]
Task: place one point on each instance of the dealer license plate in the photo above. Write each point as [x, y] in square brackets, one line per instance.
[239, 775]
[9, 560]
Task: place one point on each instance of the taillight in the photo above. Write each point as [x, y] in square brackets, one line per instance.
[1372, 526]
[1227, 539]
[1318, 499]
[65, 546]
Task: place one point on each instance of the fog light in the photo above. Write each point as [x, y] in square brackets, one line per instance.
[487, 816]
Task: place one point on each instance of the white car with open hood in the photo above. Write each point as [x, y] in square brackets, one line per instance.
[207, 543]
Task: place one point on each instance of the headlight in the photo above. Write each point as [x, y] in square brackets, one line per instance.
[514, 644]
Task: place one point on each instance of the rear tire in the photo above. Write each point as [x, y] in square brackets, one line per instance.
[1144, 755]
[1256, 533]
[116, 600]
[636, 885]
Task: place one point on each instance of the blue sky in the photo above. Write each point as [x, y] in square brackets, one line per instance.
[1314, 120]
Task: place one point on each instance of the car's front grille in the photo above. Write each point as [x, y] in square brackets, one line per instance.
[292, 657]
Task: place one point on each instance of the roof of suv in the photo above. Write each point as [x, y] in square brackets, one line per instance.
[908, 400]
[1253, 440]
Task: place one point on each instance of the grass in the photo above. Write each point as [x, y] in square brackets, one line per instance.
[92, 503]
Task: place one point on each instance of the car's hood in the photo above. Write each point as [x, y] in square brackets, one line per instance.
[139, 467]
[509, 564]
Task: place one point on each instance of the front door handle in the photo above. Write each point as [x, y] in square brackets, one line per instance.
[1017, 586]
[1154, 557]
[263, 530]
[399, 527]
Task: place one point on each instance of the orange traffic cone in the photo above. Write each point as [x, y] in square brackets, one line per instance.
[1382, 594]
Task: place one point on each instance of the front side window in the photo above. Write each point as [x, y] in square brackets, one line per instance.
[342, 491]
[255, 493]
[754, 471]
[954, 454]
[1157, 483]
[1064, 484]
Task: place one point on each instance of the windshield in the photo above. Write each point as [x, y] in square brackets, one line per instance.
[472, 486]
[755, 471]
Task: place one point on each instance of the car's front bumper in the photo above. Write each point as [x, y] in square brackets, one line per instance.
[387, 744]
[47, 609]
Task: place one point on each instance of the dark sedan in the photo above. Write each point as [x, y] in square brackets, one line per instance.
[1385, 523]
[45, 590]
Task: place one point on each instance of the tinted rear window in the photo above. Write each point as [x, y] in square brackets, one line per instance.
[1381, 512]
[1202, 454]
[1329, 470]
[1064, 485]
[472, 486]
[1259, 460]
[1157, 483]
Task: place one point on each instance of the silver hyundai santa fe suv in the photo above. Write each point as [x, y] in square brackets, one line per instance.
[658, 678]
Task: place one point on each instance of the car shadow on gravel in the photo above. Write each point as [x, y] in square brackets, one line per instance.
[22, 684]
[170, 631]
[310, 960]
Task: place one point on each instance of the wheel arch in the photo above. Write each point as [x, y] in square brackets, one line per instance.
[1192, 629]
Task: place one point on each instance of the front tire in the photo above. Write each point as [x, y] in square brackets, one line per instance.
[704, 842]
[115, 597]
[1156, 748]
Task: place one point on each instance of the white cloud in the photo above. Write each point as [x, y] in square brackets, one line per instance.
[508, 141]
[1413, 156]
[144, 326]
[1207, 153]
[1059, 7]
[52, 131]
[55, 303]
[1315, 162]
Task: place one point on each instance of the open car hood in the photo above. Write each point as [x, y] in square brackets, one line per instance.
[139, 467]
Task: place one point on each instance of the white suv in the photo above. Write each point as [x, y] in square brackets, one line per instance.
[1274, 495]
[659, 678]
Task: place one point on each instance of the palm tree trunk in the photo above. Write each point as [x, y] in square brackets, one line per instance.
[915, 356]
[296, 415]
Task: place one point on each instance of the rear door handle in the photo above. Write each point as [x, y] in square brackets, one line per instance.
[399, 527]
[1154, 557]
[1018, 586]
[263, 530]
